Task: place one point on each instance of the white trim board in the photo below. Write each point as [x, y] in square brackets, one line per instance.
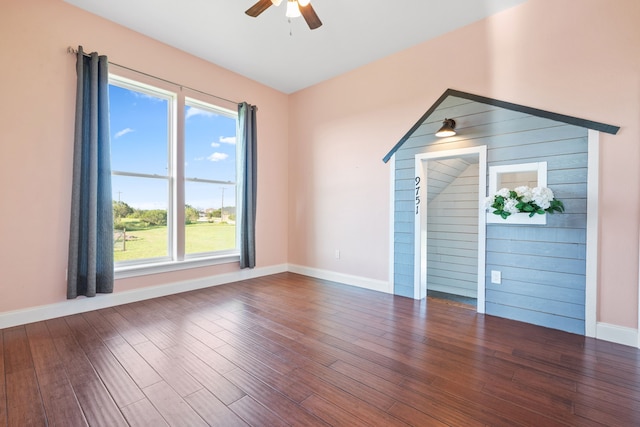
[100, 301]
[591, 270]
[83, 304]
[617, 334]
[345, 279]
[392, 219]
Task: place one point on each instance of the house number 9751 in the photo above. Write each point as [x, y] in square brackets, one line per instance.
[417, 195]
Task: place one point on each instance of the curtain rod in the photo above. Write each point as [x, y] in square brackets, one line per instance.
[74, 51]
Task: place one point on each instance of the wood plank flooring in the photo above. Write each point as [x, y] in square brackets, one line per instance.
[288, 350]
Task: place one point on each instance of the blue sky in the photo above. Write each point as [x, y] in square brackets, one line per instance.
[139, 134]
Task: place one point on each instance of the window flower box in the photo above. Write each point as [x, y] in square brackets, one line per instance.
[522, 205]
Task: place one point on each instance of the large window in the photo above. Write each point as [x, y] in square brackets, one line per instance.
[174, 165]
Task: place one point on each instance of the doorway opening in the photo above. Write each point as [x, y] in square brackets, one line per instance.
[450, 226]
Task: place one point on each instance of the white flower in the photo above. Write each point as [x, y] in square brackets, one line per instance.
[488, 202]
[525, 193]
[530, 201]
[504, 192]
[510, 206]
[542, 196]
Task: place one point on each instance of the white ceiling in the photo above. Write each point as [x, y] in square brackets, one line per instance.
[354, 32]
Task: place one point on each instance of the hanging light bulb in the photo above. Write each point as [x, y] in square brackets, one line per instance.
[293, 11]
[276, 2]
[303, 3]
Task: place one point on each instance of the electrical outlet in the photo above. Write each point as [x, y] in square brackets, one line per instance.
[337, 253]
[496, 277]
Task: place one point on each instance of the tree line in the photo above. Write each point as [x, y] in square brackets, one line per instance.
[158, 217]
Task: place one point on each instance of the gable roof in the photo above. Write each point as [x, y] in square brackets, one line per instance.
[589, 124]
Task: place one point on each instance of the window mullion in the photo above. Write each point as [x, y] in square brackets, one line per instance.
[178, 178]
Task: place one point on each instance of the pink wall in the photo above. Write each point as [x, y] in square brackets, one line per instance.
[576, 59]
[36, 148]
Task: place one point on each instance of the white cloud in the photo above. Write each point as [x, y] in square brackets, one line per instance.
[193, 111]
[228, 139]
[123, 132]
[146, 96]
[197, 159]
[215, 157]
[215, 144]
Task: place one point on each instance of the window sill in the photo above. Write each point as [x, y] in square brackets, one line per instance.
[124, 272]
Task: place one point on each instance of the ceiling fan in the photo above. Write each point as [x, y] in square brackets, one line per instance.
[294, 8]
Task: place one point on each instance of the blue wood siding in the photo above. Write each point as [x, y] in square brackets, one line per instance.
[452, 255]
[542, 266]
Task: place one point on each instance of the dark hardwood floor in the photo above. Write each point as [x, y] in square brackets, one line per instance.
[291, 350]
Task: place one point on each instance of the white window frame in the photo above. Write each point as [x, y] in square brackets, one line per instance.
[177, 260]
[521, 217]
[197, 103]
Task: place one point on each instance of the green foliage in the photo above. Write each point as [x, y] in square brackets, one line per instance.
[498, 205]
[124, 216]
[154, 216]
[191, 214]
[130, 224]
[556, 206]
[121, 210]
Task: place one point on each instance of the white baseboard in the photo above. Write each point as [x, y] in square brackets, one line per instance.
[83, 304]
[346, 279]
[617, 334]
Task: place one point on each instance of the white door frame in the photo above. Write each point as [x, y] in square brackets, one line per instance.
[420, 234]
[591, 272]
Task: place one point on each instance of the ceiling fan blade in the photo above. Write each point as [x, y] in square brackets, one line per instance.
[258, 8]
[310, 16]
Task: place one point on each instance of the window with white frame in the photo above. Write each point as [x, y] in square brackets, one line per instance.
[174, 173]
[512, 176]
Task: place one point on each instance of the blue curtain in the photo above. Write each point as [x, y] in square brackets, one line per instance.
[248, 183]
[90, 268]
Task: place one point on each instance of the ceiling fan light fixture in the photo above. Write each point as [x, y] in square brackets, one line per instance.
[295, 8]
[293, 11]
[447, 129]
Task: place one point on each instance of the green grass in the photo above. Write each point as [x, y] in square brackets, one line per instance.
[133, 224]
[151, 242]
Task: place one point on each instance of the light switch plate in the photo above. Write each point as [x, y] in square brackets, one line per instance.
[496, 277]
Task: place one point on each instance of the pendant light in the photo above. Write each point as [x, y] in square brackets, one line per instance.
[447, 129]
